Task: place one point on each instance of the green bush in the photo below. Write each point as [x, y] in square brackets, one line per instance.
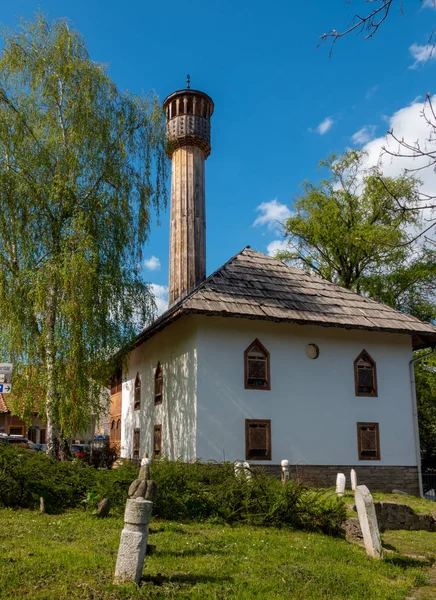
[198, 491]
[187, 491]
[25, 477]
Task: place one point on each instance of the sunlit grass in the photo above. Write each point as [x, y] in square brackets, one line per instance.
[72, 556]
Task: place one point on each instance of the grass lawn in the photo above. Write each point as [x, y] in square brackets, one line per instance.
[72, 556]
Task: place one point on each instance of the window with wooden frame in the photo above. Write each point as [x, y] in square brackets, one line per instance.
[256, 369]
[158, 384]
[136, 442]
[118, 431]
[112, 433]
[365, 375]
[157, 440]
[368, 441]
[31, 435]
[258, 439]
[137, 393]
[42, 436]
[116, 381]
[16, 430]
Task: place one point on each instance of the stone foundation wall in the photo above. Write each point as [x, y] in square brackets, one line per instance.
[391, 515]
[399, 516]
[376, 478]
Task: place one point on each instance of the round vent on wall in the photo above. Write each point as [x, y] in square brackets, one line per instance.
[312, 351]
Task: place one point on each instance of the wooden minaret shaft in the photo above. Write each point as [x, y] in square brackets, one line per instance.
[188, 114]
[188, 221]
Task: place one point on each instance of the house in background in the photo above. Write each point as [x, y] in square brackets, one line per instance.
[36, 432]
[262, 361]
[13, 425]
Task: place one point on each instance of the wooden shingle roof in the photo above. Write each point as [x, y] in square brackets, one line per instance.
[3, 406]
[256, 286]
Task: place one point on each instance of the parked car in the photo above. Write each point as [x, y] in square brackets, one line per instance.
[80, 450]
[18, 440]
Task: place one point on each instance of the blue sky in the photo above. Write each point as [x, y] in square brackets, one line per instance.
[281, 104]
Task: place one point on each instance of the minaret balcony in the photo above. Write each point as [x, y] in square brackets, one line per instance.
[188, 130]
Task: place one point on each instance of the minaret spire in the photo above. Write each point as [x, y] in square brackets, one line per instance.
[188, 115]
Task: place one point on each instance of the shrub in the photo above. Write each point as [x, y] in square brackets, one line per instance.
[187, 491]
[25, 477]
[210, 491]
[102, 457]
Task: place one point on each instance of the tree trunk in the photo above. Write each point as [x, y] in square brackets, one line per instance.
[52, 429]
[64, 449]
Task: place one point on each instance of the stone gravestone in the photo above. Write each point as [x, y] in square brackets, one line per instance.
[368, 522]
[133, 542]
[239, 469]
[103, 508]
[247, 471]
[285, 471]
[340, 484]
[353, 477]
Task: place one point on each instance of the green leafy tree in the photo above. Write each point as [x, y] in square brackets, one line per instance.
[82, 165]
[348, 227]
[409, 285]
[352, 230]
[425, 378]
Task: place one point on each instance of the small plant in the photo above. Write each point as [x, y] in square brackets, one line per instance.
[90, 500]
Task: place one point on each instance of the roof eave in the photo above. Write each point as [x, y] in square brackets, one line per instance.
[419, 340]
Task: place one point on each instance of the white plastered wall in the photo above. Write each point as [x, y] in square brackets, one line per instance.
[175, 349]
[312, 403]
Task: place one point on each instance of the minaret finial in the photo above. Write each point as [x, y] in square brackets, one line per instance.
[188, 81]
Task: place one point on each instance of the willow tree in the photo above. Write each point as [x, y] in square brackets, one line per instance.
[82, 167]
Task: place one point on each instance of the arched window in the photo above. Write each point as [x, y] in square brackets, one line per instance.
[257, 372]
[365, 375]
[137, 393]
[118, 430]
[117, 381]
[158, 384]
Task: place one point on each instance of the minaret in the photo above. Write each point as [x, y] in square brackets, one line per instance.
[188, 115]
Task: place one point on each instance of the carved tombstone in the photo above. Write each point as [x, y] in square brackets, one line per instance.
[133, 542]
[285, 474]
[353, 477]
[340, 485]
[368, 522]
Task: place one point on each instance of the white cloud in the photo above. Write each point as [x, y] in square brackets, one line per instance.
[364, 135]
[272, 214]
[160, 293]
[324, 126]
[429, 4]
[421, 54]
[152, 263]
[276, 246]
[408, 124]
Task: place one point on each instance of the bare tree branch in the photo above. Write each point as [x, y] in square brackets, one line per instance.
[369, 23]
